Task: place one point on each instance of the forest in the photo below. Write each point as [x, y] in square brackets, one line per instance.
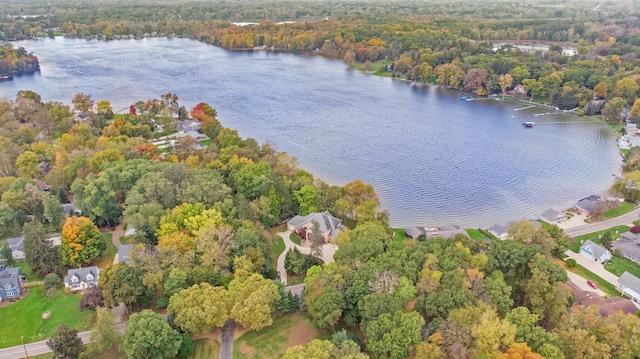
[16, 61]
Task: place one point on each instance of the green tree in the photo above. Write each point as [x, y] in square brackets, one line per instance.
[612, 110]
[149, 335]
[105, 334]
[634, 115]
[317, 240]
[627, 88]
[53, 210]
[307, 198]
[104, 109]
[65, 343]
[6, 256]
[40, 254]
[176, 281]
[392, 335]
[122, 283]
[356, 193]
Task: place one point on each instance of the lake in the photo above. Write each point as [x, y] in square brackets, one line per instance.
[433, 159]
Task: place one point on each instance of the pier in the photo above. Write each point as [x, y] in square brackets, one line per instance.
[524, 108]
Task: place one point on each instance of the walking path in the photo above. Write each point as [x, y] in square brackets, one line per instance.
[593, 266]
[328, 250]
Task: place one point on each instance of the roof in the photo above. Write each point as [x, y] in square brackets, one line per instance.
[552, 215]
[9, 275]
[123, 253]
[597, 250]
[414, 231]
[69, 208]
[607, 306]
[630, 281]
[187, 125]
[587, 204]
[81, 273]
[326, 221]
[630, 236]
[193, 134]
[630, 248]
[498, 230]
[16, 243]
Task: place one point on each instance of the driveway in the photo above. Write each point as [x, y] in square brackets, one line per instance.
[328, 250]
[593, 266]
[582, 284]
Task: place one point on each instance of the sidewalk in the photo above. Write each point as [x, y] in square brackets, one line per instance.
[593, 266]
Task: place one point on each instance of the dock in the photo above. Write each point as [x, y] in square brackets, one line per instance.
[524, 108]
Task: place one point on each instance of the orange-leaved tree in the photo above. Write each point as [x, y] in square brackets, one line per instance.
[81, 241]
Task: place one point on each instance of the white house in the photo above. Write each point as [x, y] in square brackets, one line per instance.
[499, 231]
[553, 216]
[17, 249]
[82, 278]
[595, 252]
[630, 286]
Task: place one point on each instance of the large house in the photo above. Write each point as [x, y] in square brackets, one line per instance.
[629, 246]
[498, 231]
[11, 282]
[328, 224]
[630, 286]
[553, 216]
[187, 125]
[82, 278]
[587, 204]
[595, 252]
[17, 247]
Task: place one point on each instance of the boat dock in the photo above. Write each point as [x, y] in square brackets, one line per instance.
[524, 108]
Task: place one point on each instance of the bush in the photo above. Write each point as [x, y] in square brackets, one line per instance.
[92, 298]
[162, 303]
[298, 263]
[51, 280]
[571, 263]
[635, 229]
[187, 347]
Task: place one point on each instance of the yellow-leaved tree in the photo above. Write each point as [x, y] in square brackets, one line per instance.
[81, 241]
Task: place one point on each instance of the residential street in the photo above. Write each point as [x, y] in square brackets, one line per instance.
[625, 219]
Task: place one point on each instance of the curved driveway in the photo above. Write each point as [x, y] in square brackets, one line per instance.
[328, 250]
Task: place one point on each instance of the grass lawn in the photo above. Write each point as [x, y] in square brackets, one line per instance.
[26, 270]
[271, 342]
[625, 152]
[293, 279]
[276, 249]
[619, 265]
[127, 240]
[294, 238]
[107, 257]
[205, 348]
[605, 286]
[206, 142]
[594, 237]
[623, 207]
[476, 233]
[399, 235]
[24, 318]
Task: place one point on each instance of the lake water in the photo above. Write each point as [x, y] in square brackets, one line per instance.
[432, 158]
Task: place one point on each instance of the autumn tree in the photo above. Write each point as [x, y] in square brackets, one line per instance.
[149, 335]
[612, 110]
[506, 81]
[356, 193]
[81, 241]
[65, 343]
[82, 102]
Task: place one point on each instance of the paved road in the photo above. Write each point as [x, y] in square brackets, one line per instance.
[41, 347]
[593, 266]
[582, 284]
[328, 250]
[625, 219]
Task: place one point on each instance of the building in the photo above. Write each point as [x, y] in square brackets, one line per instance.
[553, 216]
[587, 204]
[607, 306]
[123, 254]
[187, 125]
[629, 246]
[17, 247]
[81, 278]
[70, 210]
[446, 232]
[630, 286]
[595, 252]
[329, 225]
[499, 231]
[11, 282]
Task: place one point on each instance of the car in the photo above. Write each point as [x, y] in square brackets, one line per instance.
[592, 284]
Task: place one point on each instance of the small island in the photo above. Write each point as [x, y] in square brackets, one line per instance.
[15, 62]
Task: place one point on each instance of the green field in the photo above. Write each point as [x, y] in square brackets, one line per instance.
[205, 349]
[476, 233]
[206, 142]
[622, 208]
[399, 235]
[619, 265]
[24, 318]
[294, 238]
[107, 257]
[26, 270]
[276, 249]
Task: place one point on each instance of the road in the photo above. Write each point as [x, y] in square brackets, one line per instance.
[41, 347]
[625, 219]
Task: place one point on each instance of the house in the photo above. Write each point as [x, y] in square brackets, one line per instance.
[42, 185]
[44, 167]
[498, 231]
[123, 254]
[587, 204]
[607, 306]
[553, 216]
[81, 278]
[187, 125]
[70, 209]
[193, 134]
[629, 246]
[595, 252]
[415, 231]
[448, 231]
[55, 240]
[11, 282]
[328, 224]
[630, 286]
[17, 249]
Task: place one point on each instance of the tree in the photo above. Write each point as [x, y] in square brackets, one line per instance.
[104, 109]
[634, 115]
[317, 240]
[307, 198]
[81, 241]
[149, 335]
[92, 298]
[612, 110]
[606, 239]
[176, 281]
[7, 256]
[122, 283]
[53, 210]
[519, 351]
[104, 335]
[626, 88]
[505, 82]
[52, 280]
[40, 254]
[65, 343]
[392, 335]
[82, 102]
[357, 192]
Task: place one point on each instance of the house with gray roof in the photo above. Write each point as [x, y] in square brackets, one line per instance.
[187, 125]
[328, 224]
[17, 247]
[193, 134]
[587, 204]
[11, 282]
[81, 278]
[415, 231]
[498, 231]
[70, 209]
[446, 232]
[595, 252]
[123, 254]
[629, 246]
[630, 286]
[553, 216]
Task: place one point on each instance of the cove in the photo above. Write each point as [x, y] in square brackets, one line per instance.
[432, 158]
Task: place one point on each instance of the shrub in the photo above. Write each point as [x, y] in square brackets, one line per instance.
[635, 229]
[51, 280]
[571, 263]
[187, 347]
[162, 302]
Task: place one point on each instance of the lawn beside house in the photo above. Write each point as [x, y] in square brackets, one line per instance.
[575, 247]
[623, 208]
[26, 270]
[476, 233]
[107, 257]
[277, 247]
[605, 286]
[295, 238]
[25, 317]
[619, 265]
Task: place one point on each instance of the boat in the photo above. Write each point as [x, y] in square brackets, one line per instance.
[464, 98]
[528, 124]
